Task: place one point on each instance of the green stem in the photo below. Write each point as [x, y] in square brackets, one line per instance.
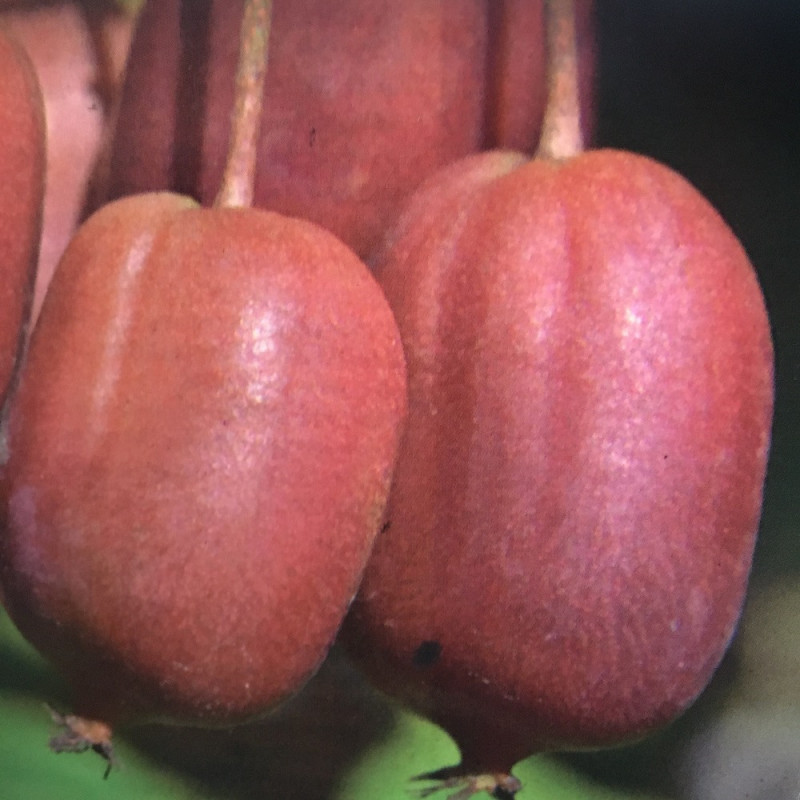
[561, 128]
[238, 178]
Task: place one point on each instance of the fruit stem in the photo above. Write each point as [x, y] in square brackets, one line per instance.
[240, 166]
[561, 128]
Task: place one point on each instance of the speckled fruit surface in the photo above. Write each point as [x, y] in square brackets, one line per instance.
[22, 167]
[199, 456]
[576, 501]
[364, 99]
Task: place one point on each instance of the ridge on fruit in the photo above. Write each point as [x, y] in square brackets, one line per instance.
[199, 452]
[575, 504]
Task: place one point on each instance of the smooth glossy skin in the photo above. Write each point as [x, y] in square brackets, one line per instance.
[22, 174]
[364, 99]
[576, 500]
[200, 452]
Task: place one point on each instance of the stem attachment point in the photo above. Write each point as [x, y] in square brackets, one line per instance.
[561, 128]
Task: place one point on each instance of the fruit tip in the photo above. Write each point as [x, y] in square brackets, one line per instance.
[501, 786]
[77, 735]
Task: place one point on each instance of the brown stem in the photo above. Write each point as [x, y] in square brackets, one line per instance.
[561, 128]
[240, 166]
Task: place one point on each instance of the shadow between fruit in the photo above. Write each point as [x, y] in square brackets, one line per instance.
[300, 751]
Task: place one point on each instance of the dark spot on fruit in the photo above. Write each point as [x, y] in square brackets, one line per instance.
[312, 137]
[427, 654]
[386, 525]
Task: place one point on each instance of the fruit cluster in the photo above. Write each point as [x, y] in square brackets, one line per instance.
[515, 463]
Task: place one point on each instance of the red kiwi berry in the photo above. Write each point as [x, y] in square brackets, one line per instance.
[78, 50]
[22, 180]
[199, 451]
[386, 93]
[578, 491]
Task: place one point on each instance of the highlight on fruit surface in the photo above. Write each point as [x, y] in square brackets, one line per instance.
[199, 454]
[22, 175]
[576, 500]
[384, 94]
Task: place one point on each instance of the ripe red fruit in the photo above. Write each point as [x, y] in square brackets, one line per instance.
[198, 452]
[365, 98]
[576, 499]
[199, 456]
[22, 170]
[78, 50]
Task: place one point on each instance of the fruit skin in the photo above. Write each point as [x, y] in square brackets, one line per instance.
[22, 174]
[199, 456]
[78, 51]
[364, 99]
[576, 499]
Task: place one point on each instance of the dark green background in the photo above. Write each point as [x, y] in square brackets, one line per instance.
[713, 90]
